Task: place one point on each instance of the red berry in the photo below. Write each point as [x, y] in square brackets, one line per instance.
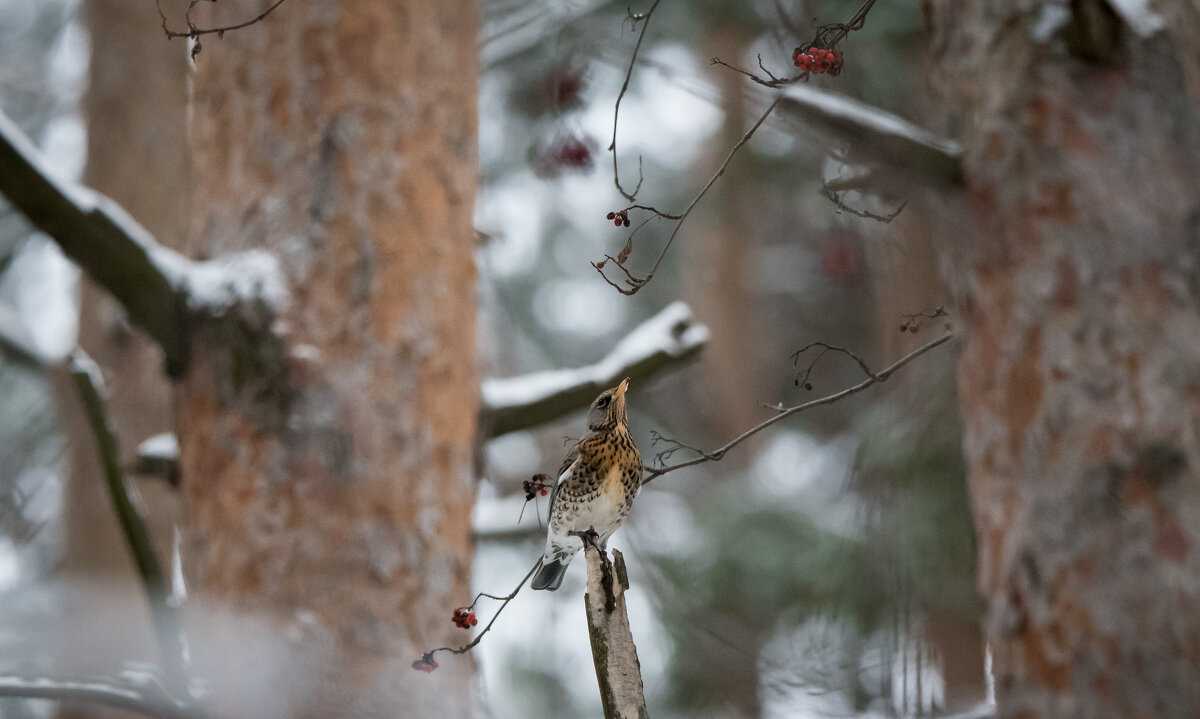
[617, 222]
[626, 223]
[600, 264]
[904, 328]
[808, 386]
[545, 491]
[611, 215]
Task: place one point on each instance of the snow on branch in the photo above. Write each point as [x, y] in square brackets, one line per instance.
[94, 232]
[154, 284]
[880, 135]
[89, 383]
[670, 337]
[140, 695]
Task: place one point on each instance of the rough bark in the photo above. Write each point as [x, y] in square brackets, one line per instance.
[326, 454]
[618, 671]
[1078, 258]
[136, 109]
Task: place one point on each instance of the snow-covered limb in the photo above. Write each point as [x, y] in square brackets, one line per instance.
[158, 456]
[670, 337]
[875, 134]
[97, 234]
[154, 284]
[88, 382]
[147, 700]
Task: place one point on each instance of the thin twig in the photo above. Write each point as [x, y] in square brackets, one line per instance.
[802, 377]
[612, 147]
[632, 283]
[827, 37]
[194, 31]
[165, 616]
[717, 454]
[836, 199]
[774, 82]
[428, 656]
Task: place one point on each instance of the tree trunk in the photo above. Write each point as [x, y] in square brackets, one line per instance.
[1079, 382]
[327, 463]
[136, 108]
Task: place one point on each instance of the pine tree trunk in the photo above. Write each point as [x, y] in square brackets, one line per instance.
[327, 465]
[1079, 376]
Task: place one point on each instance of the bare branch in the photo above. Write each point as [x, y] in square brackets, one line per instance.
[836, 199]
[670, 337]
[427, 663]
[149, 700]
[632, 283]
[99, 236]
[644, 18]
[781, 414]
[193, 31]
[168, 631]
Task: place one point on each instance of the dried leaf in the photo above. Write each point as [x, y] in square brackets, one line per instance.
[624, 254]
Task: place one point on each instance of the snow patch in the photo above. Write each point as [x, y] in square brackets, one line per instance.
[673, 332]
[1138, 16]
[81, 362]
[161, 448]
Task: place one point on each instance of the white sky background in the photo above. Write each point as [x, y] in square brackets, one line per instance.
[42, 284]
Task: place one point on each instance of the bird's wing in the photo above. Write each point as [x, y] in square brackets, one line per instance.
[563, 472]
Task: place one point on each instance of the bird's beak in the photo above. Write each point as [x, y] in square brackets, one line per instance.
[622, 387]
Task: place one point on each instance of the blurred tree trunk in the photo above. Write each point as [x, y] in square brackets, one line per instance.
[1079, 262]
[718, 275]
[327, 463]
[720, 258]
[136, 109]
[905, 280]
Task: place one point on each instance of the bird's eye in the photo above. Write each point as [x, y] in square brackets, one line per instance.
[602, 402]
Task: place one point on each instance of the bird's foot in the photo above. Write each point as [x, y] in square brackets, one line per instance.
[591, 537]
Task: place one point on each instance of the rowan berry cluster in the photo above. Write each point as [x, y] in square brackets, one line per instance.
[818, 60]
[619, 217]
[539, 484]
[426, 663]
[464, 618]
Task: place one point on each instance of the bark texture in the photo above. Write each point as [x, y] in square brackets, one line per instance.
[1079, 264]
[618, 671]
[326, 453]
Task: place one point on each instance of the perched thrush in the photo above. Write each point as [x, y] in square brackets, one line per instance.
[596, 486]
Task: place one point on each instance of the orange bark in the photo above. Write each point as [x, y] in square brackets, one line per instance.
[327, 452]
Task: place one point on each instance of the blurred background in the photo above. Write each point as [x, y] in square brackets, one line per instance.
[825, 568]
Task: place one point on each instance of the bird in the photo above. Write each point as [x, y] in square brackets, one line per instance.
[596, 486]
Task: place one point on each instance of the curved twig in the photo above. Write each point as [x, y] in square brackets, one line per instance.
[717, 454]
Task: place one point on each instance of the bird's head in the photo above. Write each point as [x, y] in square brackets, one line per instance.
[609, 408]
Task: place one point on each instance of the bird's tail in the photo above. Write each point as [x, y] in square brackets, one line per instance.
[551, 574]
